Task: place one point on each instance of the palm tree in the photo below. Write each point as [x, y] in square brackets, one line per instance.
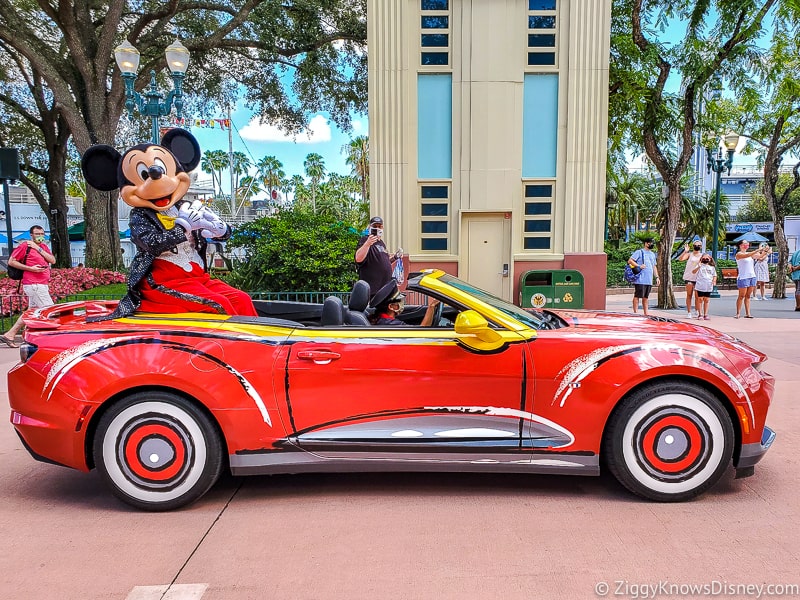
[271, 174]
[240, 164]
[249, 187]
[214, 162]
[634, 194]
[358, 158]
[315, 170]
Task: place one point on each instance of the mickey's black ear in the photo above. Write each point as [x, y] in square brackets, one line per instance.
[184, 146]
[99, 166]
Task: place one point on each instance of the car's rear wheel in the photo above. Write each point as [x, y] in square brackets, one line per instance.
[669, 441]
[157, 451]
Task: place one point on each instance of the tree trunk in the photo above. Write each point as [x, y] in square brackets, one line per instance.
[666, 296]
[57, 214]
[102, 231]
[779, 285]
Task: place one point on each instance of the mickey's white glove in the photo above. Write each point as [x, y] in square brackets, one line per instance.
[216, 228]
[190, 215]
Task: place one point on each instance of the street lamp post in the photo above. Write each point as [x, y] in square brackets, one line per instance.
[150, 102]
[718, 163]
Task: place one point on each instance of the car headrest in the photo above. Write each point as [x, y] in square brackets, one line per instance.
[332, 311]
[359, 297]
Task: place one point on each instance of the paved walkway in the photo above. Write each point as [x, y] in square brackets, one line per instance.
[724, 306]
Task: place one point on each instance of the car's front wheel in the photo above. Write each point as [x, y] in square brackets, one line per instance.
[669, 441]
[157, 451]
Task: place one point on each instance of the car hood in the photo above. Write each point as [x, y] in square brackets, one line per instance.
[604, 321]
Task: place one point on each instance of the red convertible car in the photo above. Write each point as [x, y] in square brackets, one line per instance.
[160, 404]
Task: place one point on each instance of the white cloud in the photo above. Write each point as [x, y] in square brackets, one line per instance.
[358, 126]
[318, 130]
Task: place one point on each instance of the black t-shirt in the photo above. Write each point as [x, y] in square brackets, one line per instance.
[376, 269]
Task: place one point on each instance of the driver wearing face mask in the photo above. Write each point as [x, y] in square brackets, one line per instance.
[389, 302]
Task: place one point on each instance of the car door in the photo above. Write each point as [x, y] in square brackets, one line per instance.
[405, 390]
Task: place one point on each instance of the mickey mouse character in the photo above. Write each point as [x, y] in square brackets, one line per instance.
[169, 272]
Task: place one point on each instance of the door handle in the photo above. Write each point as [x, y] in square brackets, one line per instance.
[320, 357]
[504, 272]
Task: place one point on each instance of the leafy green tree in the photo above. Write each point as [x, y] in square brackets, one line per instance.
[718, 38]
[630, 193]
[215, 162]
[357, 152]
[30, 121]
[315, 171]
[767, 112]
[296, 249]
[234, 44]
[271, 174]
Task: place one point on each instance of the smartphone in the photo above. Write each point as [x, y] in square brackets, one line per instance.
[374, 231]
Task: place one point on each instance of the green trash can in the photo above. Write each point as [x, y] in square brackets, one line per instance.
[559, 288]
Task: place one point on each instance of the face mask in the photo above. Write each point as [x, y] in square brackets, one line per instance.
[38, 239]
[648, 245]
[697, 248]
[401, 305]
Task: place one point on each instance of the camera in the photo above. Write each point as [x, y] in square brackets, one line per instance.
[375, 231]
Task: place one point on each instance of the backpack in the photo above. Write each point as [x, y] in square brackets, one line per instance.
[15, 273]
[632, 273]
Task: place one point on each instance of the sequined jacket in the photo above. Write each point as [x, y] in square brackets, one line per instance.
[152, 239]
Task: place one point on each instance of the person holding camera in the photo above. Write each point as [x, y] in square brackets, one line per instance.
[33, 258]
[373, 261]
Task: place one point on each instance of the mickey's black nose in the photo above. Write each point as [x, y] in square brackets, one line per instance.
[155, 172]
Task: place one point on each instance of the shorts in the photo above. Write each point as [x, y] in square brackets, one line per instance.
[746, 283]
[688, 281]
[38, 295]
[703, 294]
[641, 290]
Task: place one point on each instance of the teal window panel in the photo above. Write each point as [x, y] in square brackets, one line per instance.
[540, 40]
[540, 125]
[538, 191]
[435, 126]
[434, 243]
[537, 226]
[537, 243]
[434, 191]
[539, 22]
[434, 58]
[431, 22]
[438, 4]
[434, 210]
[434, 226]
[438, 40]
[538, 208]
[541, 4]
[538, 59]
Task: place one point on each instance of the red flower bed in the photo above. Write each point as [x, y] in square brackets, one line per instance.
[63, 283]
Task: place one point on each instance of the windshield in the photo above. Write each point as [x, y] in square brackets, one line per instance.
[531, 320]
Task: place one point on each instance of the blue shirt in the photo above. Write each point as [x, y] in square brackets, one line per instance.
[648, 258]
[795, 261]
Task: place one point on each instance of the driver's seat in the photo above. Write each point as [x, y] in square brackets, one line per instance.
[356, 314]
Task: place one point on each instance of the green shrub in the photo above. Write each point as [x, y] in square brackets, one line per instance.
[294, 250]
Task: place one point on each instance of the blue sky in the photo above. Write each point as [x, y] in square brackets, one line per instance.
[259, 140]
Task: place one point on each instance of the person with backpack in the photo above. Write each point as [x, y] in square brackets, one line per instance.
[645, 259]
[33, 258]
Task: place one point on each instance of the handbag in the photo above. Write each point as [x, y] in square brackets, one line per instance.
[632, 273]
[14, 272]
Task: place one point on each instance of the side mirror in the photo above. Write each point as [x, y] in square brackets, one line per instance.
[470, 322]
